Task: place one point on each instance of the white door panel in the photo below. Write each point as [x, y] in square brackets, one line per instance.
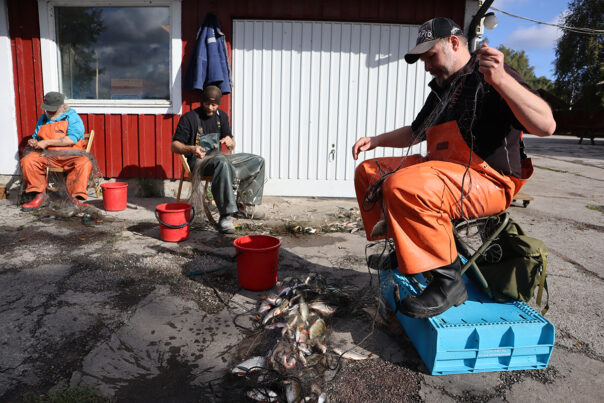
[304, 92]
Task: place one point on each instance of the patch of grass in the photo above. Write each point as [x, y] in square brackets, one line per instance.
[595, 208]
[65, 394]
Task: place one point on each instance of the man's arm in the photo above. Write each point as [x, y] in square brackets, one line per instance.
[530, 110]
[180, 148]
[399, 138]
[42, 144]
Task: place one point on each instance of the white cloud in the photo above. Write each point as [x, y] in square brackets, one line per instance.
[535, 36]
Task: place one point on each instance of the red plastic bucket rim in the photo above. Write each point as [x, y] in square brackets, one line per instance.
[237, 243]
[114, 185]
[173, 207]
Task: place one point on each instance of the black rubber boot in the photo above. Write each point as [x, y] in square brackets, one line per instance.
[446, 289]
[382, 261]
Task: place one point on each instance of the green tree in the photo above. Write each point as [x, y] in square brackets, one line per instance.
[520, 62]
[578, 69]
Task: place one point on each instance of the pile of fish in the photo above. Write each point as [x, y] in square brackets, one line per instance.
[300, 311]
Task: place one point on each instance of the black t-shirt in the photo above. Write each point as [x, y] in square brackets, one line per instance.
[485, 120]
[186, 131]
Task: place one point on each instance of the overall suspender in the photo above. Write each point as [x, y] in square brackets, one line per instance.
[200, 129]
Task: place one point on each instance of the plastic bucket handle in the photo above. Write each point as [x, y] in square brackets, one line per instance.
[177, 226]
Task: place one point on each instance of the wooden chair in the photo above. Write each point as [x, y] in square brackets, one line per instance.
[89, 138]
[209, 207]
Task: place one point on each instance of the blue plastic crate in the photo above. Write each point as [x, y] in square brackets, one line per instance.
[478, 336]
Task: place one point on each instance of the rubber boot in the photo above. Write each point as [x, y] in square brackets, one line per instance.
[382, 261]
[446, 289]
[37, 202]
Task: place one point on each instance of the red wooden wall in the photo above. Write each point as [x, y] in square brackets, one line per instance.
[139, 145]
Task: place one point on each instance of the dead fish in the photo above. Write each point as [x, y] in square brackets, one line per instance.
[301, 335]
[277, 325]
[322, 308]
[262, 395]
[274, 300]
[264, 307]
[303, 307]
[319, 346]
[288, 361]
[292, 390]
[275, 312]
[279, 349]
[317, 328]
[246, 365]
[285, 292]
[313, 359]
[351, 355]
[304, 348]
[301, 357]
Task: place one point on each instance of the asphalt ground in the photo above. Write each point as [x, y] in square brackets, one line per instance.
[100, 300]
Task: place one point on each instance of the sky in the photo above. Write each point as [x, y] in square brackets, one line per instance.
[537, 40]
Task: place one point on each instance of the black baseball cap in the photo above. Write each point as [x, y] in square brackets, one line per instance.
[52, 101]
[429, 33]
[212, 94]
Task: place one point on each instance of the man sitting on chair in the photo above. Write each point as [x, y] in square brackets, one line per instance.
[58, 132]
[472, 121]
[199, 135]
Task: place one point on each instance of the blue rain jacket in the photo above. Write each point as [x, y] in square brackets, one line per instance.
[209, 63]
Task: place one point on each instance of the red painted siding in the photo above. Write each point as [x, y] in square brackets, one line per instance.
[139, 145]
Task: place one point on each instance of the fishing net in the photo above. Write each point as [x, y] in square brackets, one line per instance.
[60, 203]
[244, 176]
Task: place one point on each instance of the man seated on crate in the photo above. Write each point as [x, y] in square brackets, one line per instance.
[472, 121]
[199, 135]
[58, 141]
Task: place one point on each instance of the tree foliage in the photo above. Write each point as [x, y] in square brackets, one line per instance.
[520, 62]
[578, 69]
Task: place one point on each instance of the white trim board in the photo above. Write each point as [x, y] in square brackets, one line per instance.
[9, 137]
[50, 63]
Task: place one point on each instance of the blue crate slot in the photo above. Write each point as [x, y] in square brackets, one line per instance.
[480, 335]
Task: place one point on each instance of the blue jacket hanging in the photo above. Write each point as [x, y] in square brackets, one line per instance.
[209, 63]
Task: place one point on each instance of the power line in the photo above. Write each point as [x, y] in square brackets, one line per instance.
[577, 30]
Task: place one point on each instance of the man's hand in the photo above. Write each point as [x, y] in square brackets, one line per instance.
[363, 144]
[199, 151]
[490, 64]
[41, 145]
[33, 143]
[228, 141]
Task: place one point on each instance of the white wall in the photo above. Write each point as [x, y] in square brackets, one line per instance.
[9, 151]
[304, 92]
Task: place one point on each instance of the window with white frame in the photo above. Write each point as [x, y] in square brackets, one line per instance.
[113, 56]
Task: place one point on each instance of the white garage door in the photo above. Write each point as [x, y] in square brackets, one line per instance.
[304, 92]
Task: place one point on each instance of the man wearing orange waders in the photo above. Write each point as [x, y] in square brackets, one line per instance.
[472, 120]
[58, 141]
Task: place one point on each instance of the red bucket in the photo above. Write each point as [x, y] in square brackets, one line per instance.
[115, 196]
[174, 220]
[257, 261]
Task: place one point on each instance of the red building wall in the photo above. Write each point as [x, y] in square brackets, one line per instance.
[139, 145]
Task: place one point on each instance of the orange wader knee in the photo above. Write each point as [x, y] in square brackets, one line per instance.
[33, 167]
[421, 199]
